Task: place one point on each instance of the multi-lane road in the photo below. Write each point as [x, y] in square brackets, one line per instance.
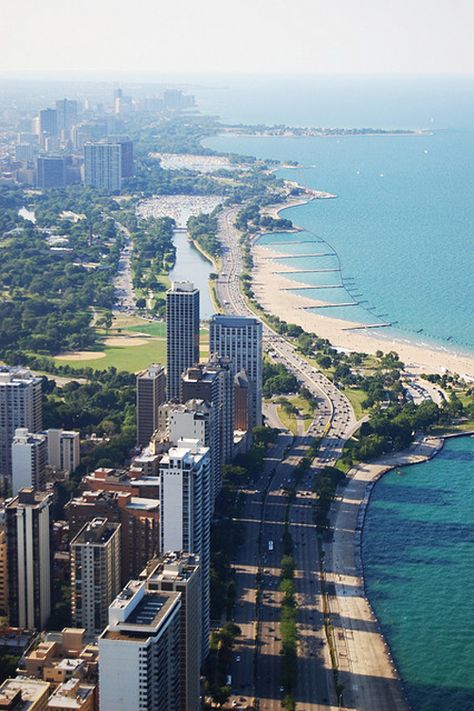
[256, 668]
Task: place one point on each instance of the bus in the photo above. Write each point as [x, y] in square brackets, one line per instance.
[270, 545]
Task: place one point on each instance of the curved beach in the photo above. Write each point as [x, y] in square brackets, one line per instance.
[366, 669]
[271, 289]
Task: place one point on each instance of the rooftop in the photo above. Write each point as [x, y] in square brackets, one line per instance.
[22, 693]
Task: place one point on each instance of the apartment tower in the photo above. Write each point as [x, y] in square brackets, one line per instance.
[182, 333]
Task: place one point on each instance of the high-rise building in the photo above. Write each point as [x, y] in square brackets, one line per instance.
[139, 651]
[103, 166]
[28, 527]
[181, 573]
[48, 122]
[185, 520]
[139, 532]
[213, 382]
[182, 333]
[95, 573]
[29, 458]
[66, 110]
[127, 154]
[3, 572]
[195, 419]
[239, 338]
[63, 450]
[151, 393]
[242, 401]
[51, 172]
[20, 406]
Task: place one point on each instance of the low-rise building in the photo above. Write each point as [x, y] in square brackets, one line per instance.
[23, 694]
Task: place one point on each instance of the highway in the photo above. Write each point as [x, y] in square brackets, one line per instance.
[256, 668]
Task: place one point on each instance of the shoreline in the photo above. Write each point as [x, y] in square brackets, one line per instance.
[271, 291]
[362, 648]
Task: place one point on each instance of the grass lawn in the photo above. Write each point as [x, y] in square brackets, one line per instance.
[356, 398]
[287, 419]
[134, 357]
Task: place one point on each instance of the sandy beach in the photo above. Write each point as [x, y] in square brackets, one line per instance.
[271, 290]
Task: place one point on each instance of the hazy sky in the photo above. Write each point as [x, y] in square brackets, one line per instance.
[420, 36]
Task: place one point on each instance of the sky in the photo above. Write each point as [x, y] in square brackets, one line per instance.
[256, 36]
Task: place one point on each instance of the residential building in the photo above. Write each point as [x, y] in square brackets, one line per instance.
[239, 338]
[127, 154]
[139, 651]
[23, 694]
[95, 573]
[3, 572]
[242, 401]
[29, 459]
[139, 518]
[20, 406]
[103, 166]
[185, 519]
[51, 172]
[181, 573]
[213, 382]
[63, 450]
[182, 333]
[151, 393]
[28, 526]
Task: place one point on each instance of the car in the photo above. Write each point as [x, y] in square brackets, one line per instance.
[237, 659]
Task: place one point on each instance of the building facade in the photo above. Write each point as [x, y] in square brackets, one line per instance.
[20, 406]
[151, 393]
[95, 573]
[239, 338]
[63, 450]
[29, 459]
[180, 572]
[182, 333]
[103, 166]
[186, 509]
[28, 527]
[139, 651]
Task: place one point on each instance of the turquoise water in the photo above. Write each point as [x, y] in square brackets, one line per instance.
[418, 552]
[402, 225]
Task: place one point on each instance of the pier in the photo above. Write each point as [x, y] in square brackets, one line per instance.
[300, 271]
[318, 286]
[303, 256]
[368, 325]
[327, 306]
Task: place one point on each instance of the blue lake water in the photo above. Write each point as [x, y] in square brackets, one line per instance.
[418, 552]
[402, 224]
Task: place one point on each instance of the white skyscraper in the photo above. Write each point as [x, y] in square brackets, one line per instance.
[185, 516]
[181, 572]
[139, 659]
[63, 450]
[103, 166]
[239, 338]
[182, 333]
[29, 458]
[28, 528]
[20, 406]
